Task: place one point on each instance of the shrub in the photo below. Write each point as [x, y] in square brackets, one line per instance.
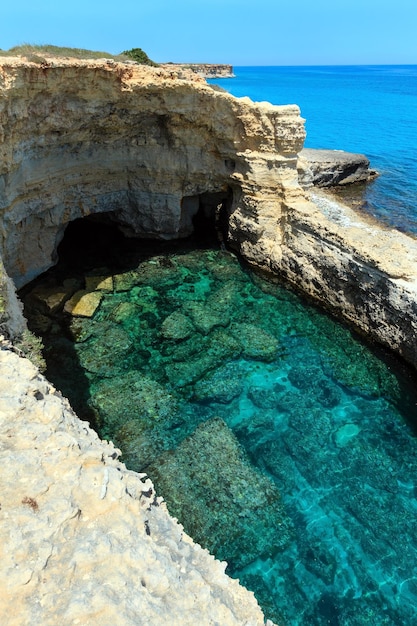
[138, 55]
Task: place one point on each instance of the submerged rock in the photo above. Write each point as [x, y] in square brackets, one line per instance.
[223, 501]
[83, 303]
[204, 317]
[345, 434]
[222, 386]
[105, 352]
[215, 350]
[99, 283]
[133, 396]
[256, 343]
[52, 298]
[176, 326]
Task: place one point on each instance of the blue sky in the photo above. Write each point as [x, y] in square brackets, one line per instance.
[240, 32]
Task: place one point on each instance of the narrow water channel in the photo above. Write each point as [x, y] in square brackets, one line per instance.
[279, 440]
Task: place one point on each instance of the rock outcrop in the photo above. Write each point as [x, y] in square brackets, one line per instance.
[140, 144]
[206, 70]
[331, 168]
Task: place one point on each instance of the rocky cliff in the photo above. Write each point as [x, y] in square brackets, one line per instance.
[331, 168]
[147, 146]
[151, 149]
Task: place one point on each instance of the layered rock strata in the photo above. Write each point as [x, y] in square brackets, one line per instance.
[360, 271]
[141, 144]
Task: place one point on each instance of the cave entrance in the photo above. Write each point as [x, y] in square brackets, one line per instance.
[208, 215]
[94, 241]
[99, 240]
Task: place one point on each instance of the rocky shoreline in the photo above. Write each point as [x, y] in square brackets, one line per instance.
[331, 168]
[150, 149]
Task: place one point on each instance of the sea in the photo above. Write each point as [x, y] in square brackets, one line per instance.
[284, 443]
[369, 109]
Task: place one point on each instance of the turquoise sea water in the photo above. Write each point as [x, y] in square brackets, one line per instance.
[366, 109]
[282, 443]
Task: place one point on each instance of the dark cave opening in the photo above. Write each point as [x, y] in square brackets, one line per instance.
[99, 241]
[95, 241]
[209, 213]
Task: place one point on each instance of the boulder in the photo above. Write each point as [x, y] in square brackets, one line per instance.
[225, 503]
[330, 168]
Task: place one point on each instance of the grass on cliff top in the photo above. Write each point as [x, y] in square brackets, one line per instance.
[35, 53]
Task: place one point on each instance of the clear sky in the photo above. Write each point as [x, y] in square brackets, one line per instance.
[240, 32]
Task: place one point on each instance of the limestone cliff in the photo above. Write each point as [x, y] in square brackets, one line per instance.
[142, 144]
[85, 541]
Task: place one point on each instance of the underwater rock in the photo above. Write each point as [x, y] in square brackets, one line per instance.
[216, 349]
[99, 283]
[141, 441]
[80, 329]
[223, 501]
[124, 312]
[126, 280]
[227, 298]
[141, 417]
[266, 397]
[304, 375]
[133, 396]
[223, 267]
[310, 378]
[204, 317]
[83, 303]
[104, 353]
[52, 298]
[222, 386]
[176, 326]
[256, 343]
[345, 434]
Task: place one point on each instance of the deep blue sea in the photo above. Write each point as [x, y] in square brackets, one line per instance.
[281, 441]
[367, 109]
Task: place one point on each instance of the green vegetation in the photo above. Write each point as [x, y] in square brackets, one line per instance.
[31, 347]
[138, 55]
[40, 53]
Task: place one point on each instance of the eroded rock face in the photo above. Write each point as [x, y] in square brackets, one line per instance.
[360, 270]
[143, 144]
[207, 70]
